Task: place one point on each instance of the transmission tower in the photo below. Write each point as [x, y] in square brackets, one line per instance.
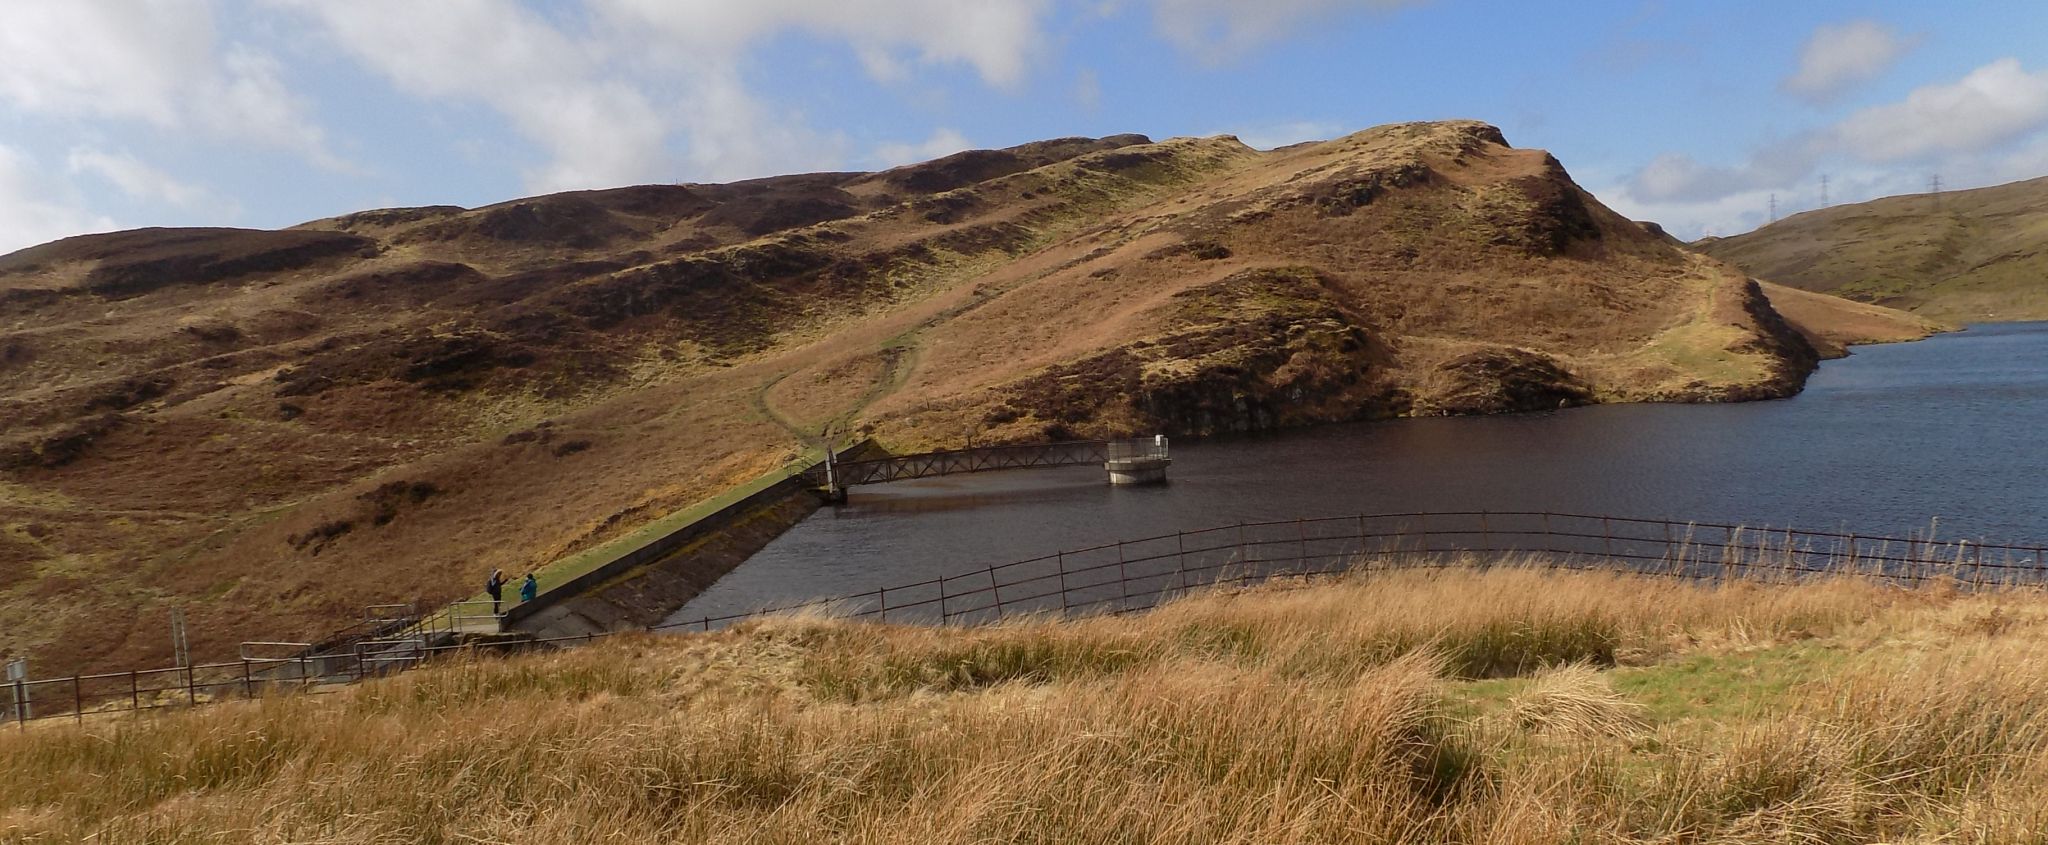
[1934, 188]
[1774, 208]
[1823, 190]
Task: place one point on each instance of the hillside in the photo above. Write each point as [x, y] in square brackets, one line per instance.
[274, 429]
[1508, 706]
[1977, 255]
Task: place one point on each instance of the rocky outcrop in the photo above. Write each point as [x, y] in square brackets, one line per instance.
[1502, 381]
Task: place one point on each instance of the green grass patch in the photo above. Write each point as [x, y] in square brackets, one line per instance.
[567, 569]
[1726, 688]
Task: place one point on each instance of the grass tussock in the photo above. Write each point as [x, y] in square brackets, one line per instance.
[1508, 706]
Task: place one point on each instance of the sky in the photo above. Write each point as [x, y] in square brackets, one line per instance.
[266, 113]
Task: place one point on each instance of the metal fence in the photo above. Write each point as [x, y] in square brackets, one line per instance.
[1136, 574]
[1132, 575]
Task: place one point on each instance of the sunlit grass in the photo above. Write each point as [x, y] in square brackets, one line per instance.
[1510, 706]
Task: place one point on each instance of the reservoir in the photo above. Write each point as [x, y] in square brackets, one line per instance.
[1953, 428]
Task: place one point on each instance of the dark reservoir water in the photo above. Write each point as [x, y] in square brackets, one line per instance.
[1954, 427]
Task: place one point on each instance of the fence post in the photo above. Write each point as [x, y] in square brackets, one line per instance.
[77, 699]
[885, 606]
[1361, 543]
[248, 683]
[1728, 534]
[944, 615]
[134, 692]
[1669, 553]
[1244, 559]
[1425, 537]
[1060, 560]
[191, 685]
[1180, 558]
[997, 590]
[1607, 539]
[1485, 533]
[1123, 576]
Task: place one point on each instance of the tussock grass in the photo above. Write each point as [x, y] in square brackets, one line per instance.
[1509, 706]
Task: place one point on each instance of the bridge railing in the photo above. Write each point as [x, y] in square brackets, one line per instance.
[842, 474]
[1134, 574]
[1137, 449]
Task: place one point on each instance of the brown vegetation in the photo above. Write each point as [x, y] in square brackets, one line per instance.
[1959, 256]
[1512, 706]
[209, 418]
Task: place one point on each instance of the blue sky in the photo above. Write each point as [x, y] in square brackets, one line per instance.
[266, 113]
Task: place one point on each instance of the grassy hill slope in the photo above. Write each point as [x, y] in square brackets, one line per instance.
[1962, 256]
[1510, 706]
[274, 429]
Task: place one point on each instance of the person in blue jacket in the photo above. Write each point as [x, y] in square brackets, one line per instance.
[529, 589]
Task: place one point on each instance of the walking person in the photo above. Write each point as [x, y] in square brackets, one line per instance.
[529, 589]
[496, 587]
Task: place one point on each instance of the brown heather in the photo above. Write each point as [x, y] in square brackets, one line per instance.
[1510, 706]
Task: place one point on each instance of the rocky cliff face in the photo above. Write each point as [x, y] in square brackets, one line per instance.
[276, 428]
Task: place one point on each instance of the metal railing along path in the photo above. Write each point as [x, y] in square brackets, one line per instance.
[1135, 574]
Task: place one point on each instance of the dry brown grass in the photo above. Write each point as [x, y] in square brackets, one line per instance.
[1509, 706]
[925, 326]
[1965, 256]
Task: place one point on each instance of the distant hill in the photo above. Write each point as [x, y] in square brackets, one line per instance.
[1974, 255]
[275, 428]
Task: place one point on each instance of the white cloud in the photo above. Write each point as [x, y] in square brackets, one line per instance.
[35, 208]
[998, 38]
[619, 91]
[135, 178]
[1990, 126]
[943, 142]
[1993, 105]
[1088, 89]
[1218, 30]
[1675, 177]
[1840, 56]
[153, 61]
[549, 85]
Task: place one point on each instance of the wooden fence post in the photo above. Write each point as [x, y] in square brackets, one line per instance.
[997, 590]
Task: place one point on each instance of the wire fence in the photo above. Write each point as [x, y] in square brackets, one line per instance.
[1125, 576]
